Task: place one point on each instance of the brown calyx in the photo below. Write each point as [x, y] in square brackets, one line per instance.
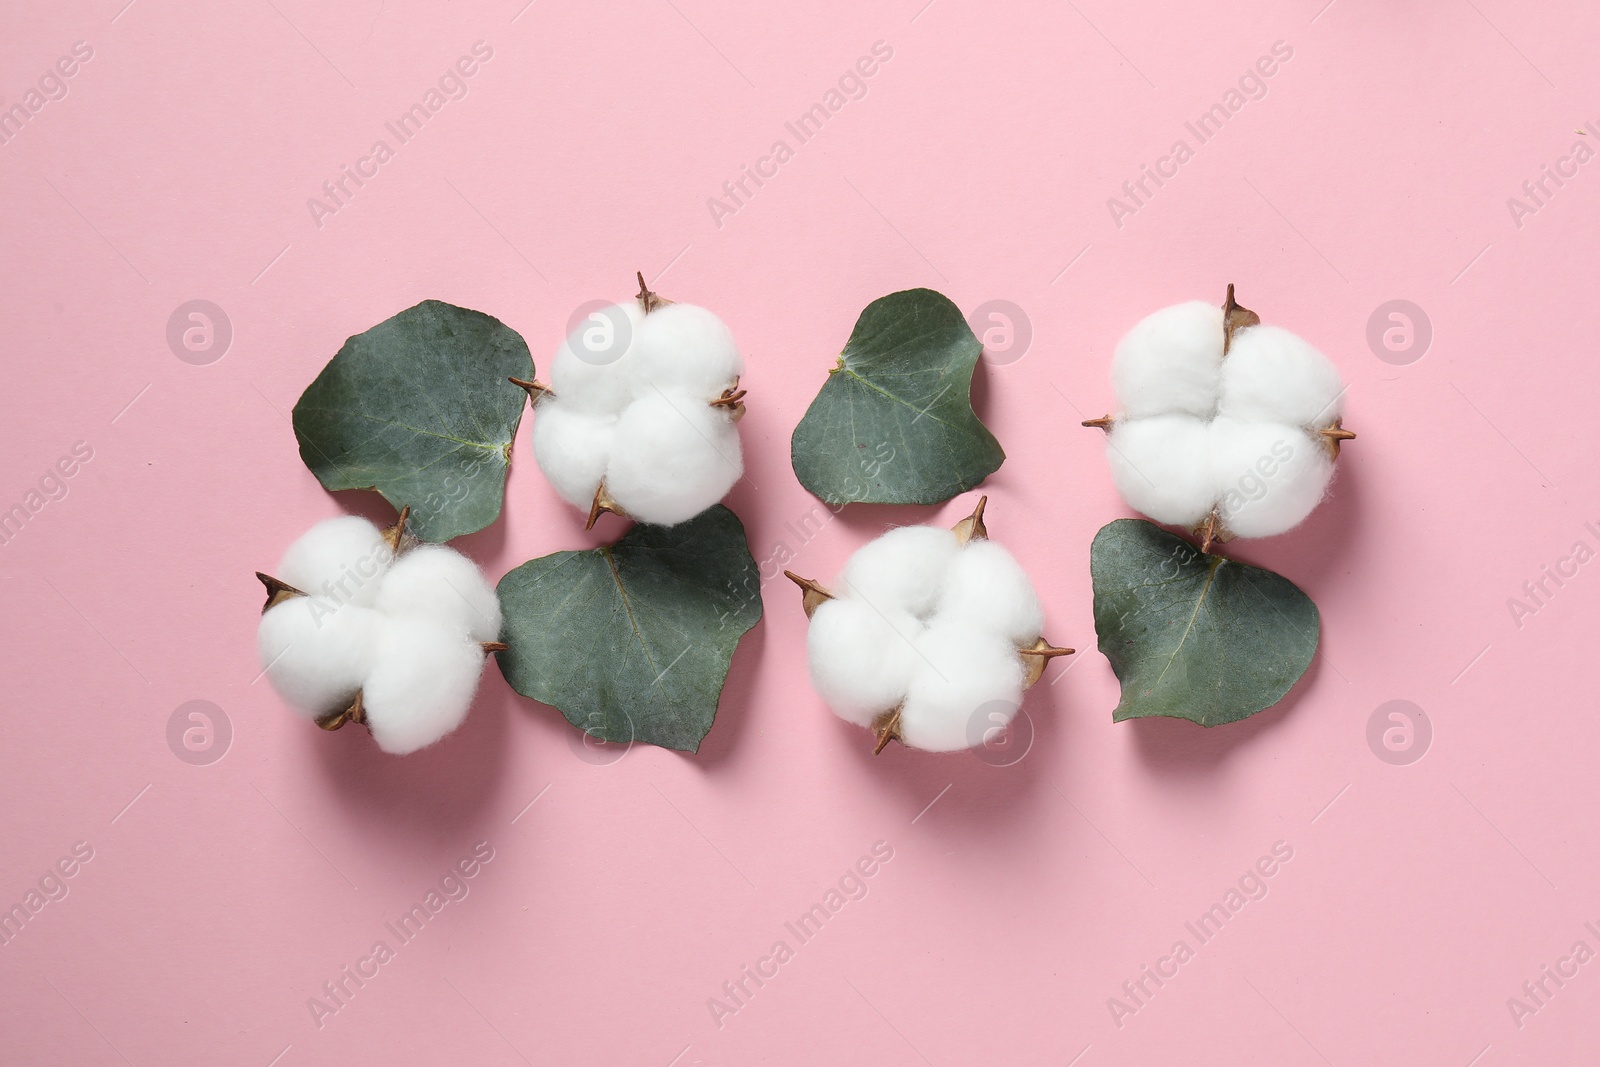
[535, 389]
[602, 504]
[886, 727]
[1235, 318]
[648, 300]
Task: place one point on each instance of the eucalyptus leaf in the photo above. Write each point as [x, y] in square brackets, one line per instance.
[894, 423]
[632, 641]
[1193, 635]
[419, 408]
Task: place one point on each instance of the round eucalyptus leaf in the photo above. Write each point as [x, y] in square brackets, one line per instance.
[632, 641]
[419, 408]
[1192, 635]
[894, 423]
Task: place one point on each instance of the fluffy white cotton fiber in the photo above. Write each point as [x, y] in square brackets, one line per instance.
[1271, 375]
[862, 660]
[1160, 465]
[440, 584]
[643, 423]
[1197, 430]
[934, 627]
[672, 457]
[316, 651]
[408, 637]
[1169, 362]
[338, 558]
[904, 569]
[987, 588]
[421, 685]
[970, 681]
[593, 370]
[685, 347]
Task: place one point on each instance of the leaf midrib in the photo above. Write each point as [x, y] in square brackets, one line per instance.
[1211, 574]
[492, 447]
[898, 400]
[627, 606]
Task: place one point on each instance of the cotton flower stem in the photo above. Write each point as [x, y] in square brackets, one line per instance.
[602, 504]
[535, 389]
[888, 729]
[648, 300]
[494, 646]
[1102, 423]
[812, 595]
[1235, 318]
[395, 535]
[277, 592]
[972, 528]
[354, 713]
[1208, 531]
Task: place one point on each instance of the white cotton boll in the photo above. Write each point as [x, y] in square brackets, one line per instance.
[1159, 466]
[986, 587]
[904, 569]
[594, 368]
[572, 448]
[439, 583]
[685, 347]
[316, 652]
[969, 681]
[1169, 362]
[340, 558]
[1271, 375]
[1267, 476]
[861, 661]
[420, 685]
[674, 456]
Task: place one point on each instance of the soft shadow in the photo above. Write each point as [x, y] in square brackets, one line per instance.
[738, 697]
[981, 795]
[429, 795]
[873, 520]
[1178, 746]
[1307, 554]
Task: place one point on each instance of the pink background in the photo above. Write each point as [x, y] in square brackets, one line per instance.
[220, 898]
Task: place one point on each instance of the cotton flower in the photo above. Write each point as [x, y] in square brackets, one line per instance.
[1225, 426]
[929, 636]
[639, 415]
[365, 627]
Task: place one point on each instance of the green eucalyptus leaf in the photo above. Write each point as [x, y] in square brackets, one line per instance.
[419, 408]
[1193, 635]
[632, 641]
[894, 423]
